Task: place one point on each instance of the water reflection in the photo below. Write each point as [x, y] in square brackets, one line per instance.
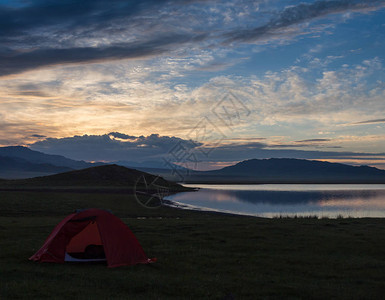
[273, 200]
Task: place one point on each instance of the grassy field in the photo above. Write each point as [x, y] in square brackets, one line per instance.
[200, 255]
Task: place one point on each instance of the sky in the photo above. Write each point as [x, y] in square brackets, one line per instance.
[203, 84]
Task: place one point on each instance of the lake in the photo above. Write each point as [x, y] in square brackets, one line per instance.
[273, 200]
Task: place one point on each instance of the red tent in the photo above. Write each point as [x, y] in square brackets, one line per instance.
[90, 235]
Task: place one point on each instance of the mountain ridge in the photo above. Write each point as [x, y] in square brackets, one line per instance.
[17, 162]
[289, 163]
[96, 177]
[291, 170]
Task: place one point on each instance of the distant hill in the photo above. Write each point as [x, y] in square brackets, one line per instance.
[22, 162]
[39, 157]
[97, 177]
[151, 164]
[160, 168]
[14, 164]
[286, 170]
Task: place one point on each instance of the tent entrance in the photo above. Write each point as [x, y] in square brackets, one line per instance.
[86, 245]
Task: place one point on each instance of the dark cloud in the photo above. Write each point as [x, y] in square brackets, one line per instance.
[33, 94]
[216, 66]
[313, 140]
[47, 33]
[20, 62]
[245, 139]
[122, 136]
[291, 146]
[242, 152]
[38, 136]
[106, 148]
[298, 14]
[69, 13]
[156, 147]
[371, 121]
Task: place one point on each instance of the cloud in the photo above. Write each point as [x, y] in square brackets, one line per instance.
[375, 121]
[214, 66]
[71, 14]
[102, 98]
[293, 15]
[313, 140]
[49, 33]
[122, 136]
[30, 94]
[38, 136]
[247, 151]
[111, 147]
[52, 33]
[20, 62]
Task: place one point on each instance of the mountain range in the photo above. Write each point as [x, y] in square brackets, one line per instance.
[21, 162]
[18, 162]
[289, 170]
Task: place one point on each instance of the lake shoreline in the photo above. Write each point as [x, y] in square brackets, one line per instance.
[281, 182]
[286, 200]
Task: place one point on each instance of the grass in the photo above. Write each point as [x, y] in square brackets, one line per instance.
[200, 255]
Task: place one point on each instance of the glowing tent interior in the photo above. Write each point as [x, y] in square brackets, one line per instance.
[92, 235]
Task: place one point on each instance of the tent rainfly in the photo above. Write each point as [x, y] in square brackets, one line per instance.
[92, 235]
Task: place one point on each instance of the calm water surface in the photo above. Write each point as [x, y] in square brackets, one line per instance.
[270, 200]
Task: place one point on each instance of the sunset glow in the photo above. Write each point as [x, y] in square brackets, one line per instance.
[307, 80]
